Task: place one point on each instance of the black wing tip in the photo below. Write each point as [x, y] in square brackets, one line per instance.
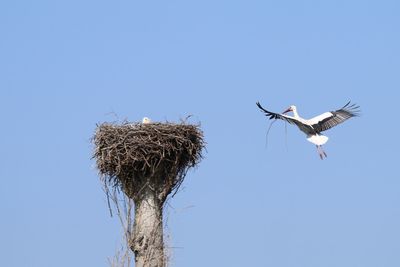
[352, 108]
[266, 112]
[260, 107]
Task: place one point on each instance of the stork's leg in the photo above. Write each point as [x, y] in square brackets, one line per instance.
[323, 151]
[319, 152]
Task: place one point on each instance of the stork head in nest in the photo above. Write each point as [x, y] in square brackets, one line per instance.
[146, 120]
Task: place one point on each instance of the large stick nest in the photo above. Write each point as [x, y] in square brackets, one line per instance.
[137, 157]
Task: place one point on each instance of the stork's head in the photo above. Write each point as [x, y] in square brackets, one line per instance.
[146, 120]
[292, 108]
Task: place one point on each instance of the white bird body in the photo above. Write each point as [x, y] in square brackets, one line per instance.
[314, 126]
[146, 120]
[317, 139]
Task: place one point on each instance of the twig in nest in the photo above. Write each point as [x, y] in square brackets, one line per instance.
[133, 155]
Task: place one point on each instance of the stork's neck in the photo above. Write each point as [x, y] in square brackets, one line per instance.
[295, 114]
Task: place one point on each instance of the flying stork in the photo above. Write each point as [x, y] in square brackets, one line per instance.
[313, 127]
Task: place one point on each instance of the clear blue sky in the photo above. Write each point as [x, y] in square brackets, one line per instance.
[67, 65]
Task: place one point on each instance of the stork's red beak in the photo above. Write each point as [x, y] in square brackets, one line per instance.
[286, 111]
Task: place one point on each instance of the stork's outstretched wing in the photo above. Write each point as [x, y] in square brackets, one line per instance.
[328, 120]
[273, 115]
[289, 119]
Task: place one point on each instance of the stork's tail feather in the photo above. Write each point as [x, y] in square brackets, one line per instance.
[317, 139]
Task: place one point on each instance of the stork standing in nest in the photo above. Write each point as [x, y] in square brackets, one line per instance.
[313, 127]
[146, 120]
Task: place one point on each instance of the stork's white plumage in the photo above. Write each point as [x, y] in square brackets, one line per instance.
[313, 127]
[146, 120]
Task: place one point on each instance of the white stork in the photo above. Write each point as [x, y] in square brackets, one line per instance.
[146, 120]
[313, 127]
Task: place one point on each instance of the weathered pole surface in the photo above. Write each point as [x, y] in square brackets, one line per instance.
[147, 241]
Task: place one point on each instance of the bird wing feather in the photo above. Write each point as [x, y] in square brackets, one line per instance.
[289, 119]
[328, 120]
